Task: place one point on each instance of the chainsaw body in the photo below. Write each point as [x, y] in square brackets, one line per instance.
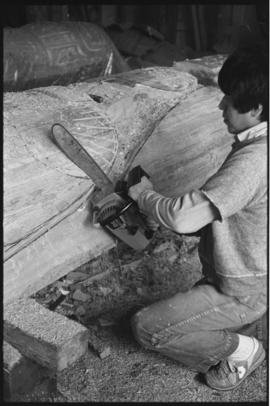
[121, 217]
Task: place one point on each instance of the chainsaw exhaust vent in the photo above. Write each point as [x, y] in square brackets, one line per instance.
[111, 211]
[108, 214]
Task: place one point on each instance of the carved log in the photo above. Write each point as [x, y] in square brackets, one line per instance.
[47, 232]
[188, 146]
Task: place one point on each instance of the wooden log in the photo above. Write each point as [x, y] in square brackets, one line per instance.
[188, 146]
[45, 337]
[205, 69]
[64, 52]
[66, 246]
[47, 232]
[20, 373]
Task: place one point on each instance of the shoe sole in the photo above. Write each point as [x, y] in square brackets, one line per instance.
[254, 366]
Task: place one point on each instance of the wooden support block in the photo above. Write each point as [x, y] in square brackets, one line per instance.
[45, 337]
[20, 373]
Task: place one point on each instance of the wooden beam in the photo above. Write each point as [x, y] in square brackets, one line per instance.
[45, 337]
[196, 28]
[202, 27]
[172, 16]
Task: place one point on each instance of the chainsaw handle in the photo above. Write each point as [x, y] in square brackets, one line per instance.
[135, 176]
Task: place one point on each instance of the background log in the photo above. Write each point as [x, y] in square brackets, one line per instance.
[57, 53]
[205, 69]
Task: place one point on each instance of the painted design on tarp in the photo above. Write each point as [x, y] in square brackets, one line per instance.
[62, 49]
[55, 54]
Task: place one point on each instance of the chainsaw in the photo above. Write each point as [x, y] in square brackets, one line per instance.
[113, 209]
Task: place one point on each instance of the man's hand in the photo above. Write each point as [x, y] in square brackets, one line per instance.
[135, 190]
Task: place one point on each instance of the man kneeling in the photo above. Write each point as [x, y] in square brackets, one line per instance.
[204, 328]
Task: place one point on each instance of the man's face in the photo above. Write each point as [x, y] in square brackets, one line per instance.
[236, 122]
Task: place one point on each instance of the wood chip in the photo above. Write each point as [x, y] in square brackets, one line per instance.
[80, 311]
[79, 295]
[105, 291]
[77, 276]
[162, 247]
[106, 322]
[105, 353]
[172, 258]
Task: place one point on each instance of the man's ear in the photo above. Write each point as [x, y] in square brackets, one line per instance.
[256, 113]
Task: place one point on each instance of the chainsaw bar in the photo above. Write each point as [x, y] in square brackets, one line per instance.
[71, 147]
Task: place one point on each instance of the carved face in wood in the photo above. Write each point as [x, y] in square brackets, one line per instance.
[237, 122]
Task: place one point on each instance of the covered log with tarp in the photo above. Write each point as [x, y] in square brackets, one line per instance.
[57, 53]
[158, 117]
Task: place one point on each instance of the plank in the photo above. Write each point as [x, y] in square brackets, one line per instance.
[45, 337]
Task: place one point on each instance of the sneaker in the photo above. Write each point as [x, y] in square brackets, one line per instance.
[227, 375]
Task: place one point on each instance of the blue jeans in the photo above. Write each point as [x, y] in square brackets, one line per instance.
[197, 328]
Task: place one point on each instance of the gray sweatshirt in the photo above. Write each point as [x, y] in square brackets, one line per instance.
[231, 210]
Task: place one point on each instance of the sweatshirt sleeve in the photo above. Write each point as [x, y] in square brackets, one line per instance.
[238, 181]
[186, 214]
[231, 189]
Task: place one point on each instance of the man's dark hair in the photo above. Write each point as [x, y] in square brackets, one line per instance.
[244, 77]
